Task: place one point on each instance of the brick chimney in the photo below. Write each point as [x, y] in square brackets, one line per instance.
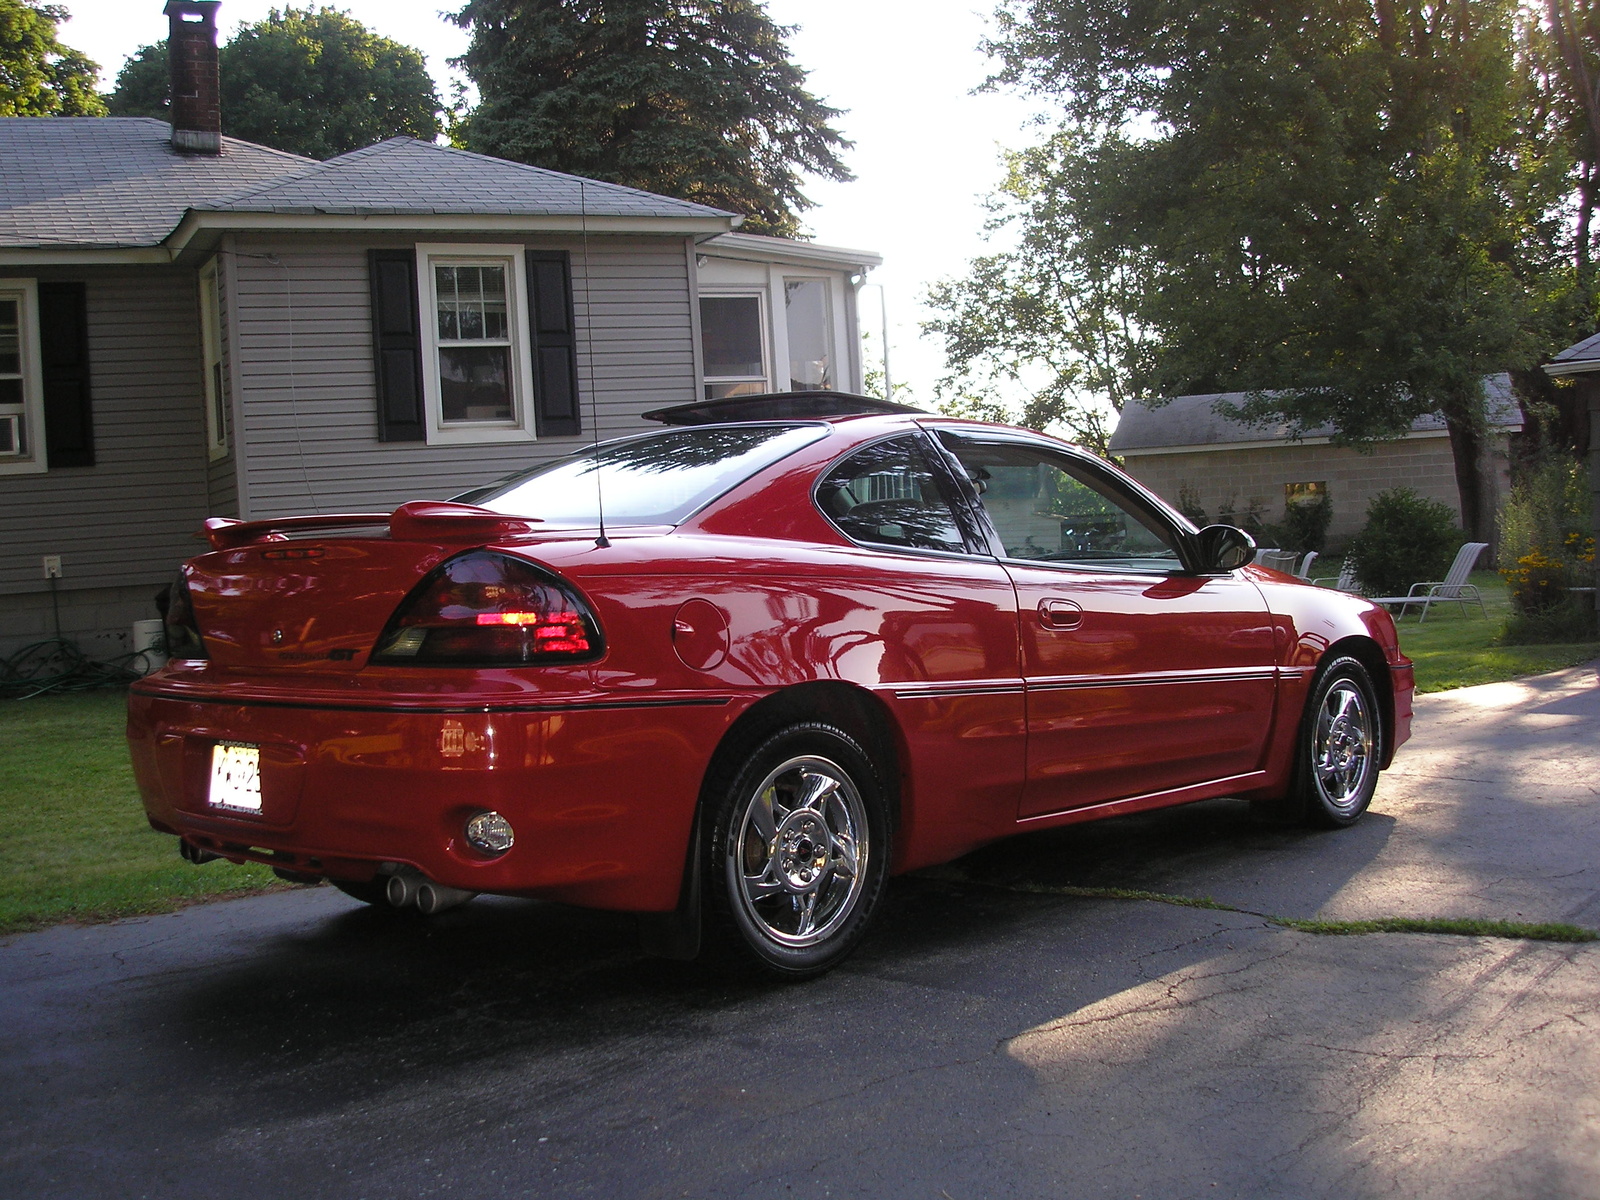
[196, 81]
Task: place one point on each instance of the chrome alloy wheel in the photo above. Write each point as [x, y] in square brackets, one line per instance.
[797, 864]
[1342, 747]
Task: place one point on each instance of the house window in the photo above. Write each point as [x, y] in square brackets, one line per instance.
[733, 345]
[477, 376]
[1304, 493]
[21, 391]
[211, 352]
[809, 323]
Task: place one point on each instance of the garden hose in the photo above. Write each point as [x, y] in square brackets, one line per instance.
[58, 665]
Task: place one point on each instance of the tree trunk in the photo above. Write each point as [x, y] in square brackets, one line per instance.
[1474, 483]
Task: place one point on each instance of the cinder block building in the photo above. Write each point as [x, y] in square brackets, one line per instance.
[1196, 456]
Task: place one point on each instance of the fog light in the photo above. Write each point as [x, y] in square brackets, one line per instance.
[490, 833]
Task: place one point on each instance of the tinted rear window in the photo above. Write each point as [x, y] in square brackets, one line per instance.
[659, 479]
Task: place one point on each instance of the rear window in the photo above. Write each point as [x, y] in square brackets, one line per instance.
[659, 479]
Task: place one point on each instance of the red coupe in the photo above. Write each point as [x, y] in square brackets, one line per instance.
[733, 673]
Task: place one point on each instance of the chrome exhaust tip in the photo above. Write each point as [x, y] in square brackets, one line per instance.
[436, 897]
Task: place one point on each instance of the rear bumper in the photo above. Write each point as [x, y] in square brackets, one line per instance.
[601, 793]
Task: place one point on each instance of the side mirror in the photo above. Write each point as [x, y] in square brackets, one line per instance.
[1223, 548]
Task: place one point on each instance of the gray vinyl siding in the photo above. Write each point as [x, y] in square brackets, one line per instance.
[305, 369]
[129, 519]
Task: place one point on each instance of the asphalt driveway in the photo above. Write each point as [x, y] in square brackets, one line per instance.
[993, 1038]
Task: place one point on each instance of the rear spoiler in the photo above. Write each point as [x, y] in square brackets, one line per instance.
[418, 521]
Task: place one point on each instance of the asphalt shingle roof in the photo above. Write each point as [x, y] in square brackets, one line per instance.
[407, 176]
[110, 182]
[1583, 351]
[114, 181]
[1188, 421]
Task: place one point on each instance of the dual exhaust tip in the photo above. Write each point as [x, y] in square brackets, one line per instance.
[412, 889]
[407, 887]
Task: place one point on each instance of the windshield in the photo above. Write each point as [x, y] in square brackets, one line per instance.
[659, 479]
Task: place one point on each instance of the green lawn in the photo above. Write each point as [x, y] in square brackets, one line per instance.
[74, 844]
[1453, 650]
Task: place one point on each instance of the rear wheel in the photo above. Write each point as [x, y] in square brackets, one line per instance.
[1340, 747]
[799, 850]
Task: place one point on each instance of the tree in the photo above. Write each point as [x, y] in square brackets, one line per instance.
[39, 77]
[689, 98]
[1329, 200]
[313, 82]
[1049, 317]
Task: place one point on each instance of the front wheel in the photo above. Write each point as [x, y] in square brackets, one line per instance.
[1340, 747]
[799, 850]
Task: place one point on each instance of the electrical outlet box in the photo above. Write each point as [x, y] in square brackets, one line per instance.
[52, 566]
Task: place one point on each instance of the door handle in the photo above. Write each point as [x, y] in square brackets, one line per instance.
[1060, 614]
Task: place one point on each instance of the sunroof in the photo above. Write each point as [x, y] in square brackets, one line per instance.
[776, 406]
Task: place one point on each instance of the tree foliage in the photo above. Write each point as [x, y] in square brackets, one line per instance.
[1050, 317]
[1350, 210]
[696, 99]
[40, 77]
[311, 81]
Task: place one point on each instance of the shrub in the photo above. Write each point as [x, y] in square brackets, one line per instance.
[1407, 539]
[1544, 533]
[1572, 620]
[1305, 524]
[1189, 504]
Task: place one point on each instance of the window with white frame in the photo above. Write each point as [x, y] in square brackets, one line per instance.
[808, 319]
[211, 352]
[733, 344]
[477, 375]
[21, 391]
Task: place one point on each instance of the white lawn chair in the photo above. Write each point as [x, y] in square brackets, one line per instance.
[1303, 571]
[1278, 560]
[1344, 581]
[1454, 586]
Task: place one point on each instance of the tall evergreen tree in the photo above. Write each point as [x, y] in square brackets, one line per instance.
[311, 81]
[690, 98]
[40, 77]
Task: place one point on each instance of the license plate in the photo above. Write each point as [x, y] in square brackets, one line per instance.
[236, 777]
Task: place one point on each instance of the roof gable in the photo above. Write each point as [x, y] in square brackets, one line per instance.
[1187, 422]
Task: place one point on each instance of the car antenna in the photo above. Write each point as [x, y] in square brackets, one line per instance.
[588, 341]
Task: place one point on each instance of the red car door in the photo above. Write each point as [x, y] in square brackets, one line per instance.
[1140, 676]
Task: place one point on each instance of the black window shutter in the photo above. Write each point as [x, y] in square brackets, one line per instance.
[552, 332]
[64, 348]
[397, 345]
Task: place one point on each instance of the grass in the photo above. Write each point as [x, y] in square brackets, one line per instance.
[1453, 650]
[75, 845]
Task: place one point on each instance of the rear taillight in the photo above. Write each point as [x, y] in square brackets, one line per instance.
[183, 632]
[487, 609]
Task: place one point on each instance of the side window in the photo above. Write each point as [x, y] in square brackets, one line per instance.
[1049, 508]
[889, 495]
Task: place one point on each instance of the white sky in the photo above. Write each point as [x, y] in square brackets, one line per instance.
[926, 150]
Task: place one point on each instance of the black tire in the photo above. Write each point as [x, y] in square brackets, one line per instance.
[1339, 748]
[373, 891]
[798, 851]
